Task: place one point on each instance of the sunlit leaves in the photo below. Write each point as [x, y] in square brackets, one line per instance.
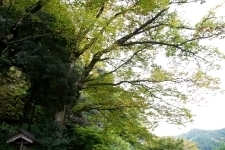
[13, 90]
[210, 24]
[205, 81]
[151, 5]
[106, 59]
[158, 74]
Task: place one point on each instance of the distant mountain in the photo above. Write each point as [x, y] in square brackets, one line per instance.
[206, 139]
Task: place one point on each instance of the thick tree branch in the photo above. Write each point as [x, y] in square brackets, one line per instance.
[100, 11]
[87, 70]
[122, 40]
[83, 32]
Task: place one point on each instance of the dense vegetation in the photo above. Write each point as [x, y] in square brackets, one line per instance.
[87, 74]
[206, 139]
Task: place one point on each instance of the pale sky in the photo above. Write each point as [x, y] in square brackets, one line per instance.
[209, 115]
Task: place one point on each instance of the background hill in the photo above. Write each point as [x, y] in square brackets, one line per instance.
[206, 139]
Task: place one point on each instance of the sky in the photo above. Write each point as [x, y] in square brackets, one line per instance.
[209, 114]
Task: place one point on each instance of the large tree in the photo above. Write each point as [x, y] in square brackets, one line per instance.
[103, 58]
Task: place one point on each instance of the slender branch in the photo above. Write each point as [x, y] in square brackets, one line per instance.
[197, 38]
[30, 37]
[178, 27]
[134, 82]
[105, 106]
[178, 46]
[6, 15]
[129, 59]
[186, 2]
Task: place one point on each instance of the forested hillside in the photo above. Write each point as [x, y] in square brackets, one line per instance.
[206, 139]
[88, 74]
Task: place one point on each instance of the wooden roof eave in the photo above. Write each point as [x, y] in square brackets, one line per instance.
[18, 137]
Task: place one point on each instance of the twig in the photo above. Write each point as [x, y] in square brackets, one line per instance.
[26, 38]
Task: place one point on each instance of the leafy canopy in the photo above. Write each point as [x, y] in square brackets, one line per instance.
[103, 59]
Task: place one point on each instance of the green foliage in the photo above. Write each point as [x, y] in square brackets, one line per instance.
[85, 74]
[13, 90]
[206, 139]
[5, 132]
[221, 147]
[84, 134]
[168, 144]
